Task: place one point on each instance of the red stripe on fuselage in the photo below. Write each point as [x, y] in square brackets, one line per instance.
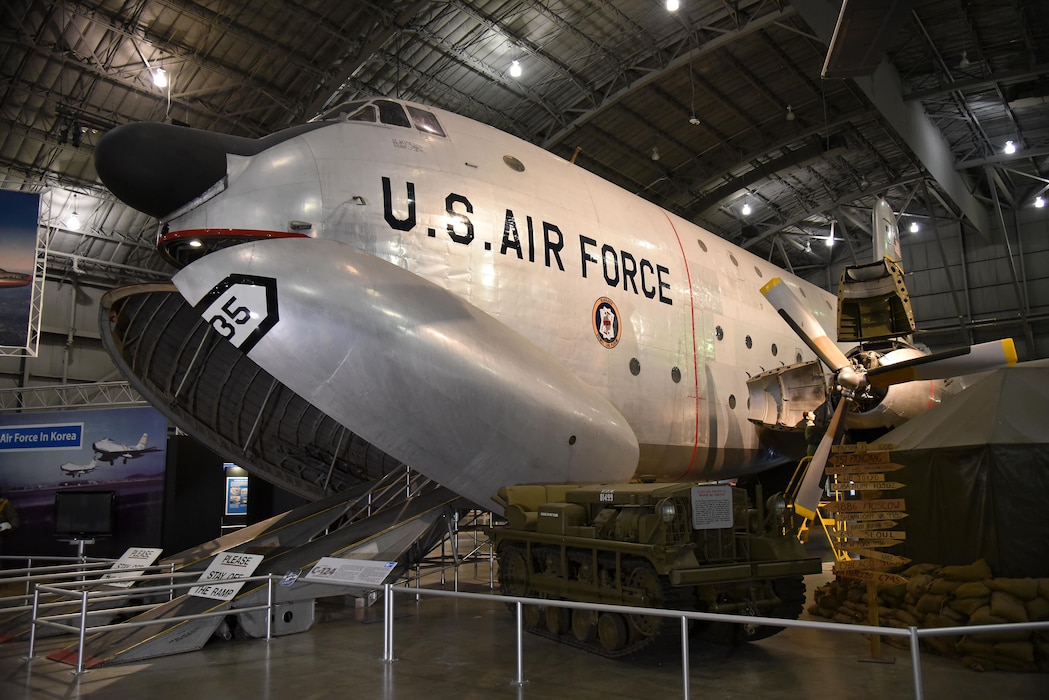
[695, 352]
[173, 236]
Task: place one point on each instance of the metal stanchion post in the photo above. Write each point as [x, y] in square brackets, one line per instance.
[684, 657]
[387, 623]
[83, 628]
[32, 626]
[269, 608]
[916, 663]
[520, 647]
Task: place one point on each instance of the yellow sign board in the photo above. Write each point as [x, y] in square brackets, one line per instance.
[858, 564]
[867, 486]
[861, 468]
[867, 525]
[876, 515]
[847, 545]
[872, 476]
[877, 504]
[891, 559]
[860, 458]
[875, 576]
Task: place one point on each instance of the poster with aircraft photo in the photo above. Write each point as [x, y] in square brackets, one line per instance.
[119, 449]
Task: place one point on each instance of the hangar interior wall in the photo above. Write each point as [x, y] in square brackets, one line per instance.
[965, 289]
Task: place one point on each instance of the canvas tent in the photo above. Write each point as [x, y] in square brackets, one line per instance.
[976, 470]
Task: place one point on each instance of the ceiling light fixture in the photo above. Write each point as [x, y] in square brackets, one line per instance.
[515, 69]
[746, 209]
[790, 114]
[160, 78]
[1010, 148]
[915, 227]
[673, 5]
[1039, 202]
[830, 238]
[655, 153]
[73, 222]
[964, 63]
[693, 120]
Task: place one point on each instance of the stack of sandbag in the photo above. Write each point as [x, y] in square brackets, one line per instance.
[953, 596]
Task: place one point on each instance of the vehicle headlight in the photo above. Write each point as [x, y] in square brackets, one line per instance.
[667, 511]
[776, 505]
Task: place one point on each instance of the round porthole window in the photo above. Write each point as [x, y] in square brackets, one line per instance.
[702, 244]
[719, 333]
[635, 366]
[514, 164]
[675, 374]
[749, 342]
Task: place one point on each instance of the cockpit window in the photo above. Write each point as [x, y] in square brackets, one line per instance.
[392, 113]
[385, 111]
[425, 121]
[359, 111]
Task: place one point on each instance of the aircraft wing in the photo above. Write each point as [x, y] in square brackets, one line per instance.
[412, 368]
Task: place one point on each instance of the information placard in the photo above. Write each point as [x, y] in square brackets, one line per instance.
[220, 580]
[711, 507]
[355, 572]
[133, 558]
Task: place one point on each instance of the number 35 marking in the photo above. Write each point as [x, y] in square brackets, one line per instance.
[241, 308]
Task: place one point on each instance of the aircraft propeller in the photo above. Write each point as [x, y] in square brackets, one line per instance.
[852, 378]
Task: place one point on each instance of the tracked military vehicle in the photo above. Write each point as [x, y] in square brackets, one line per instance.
[700, 547]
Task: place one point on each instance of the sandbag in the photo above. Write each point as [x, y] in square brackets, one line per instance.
[1008, 607]
[977, 571]
[972, 589]
[1022, 588]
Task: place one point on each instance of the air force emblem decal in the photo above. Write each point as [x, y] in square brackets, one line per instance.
[606, 322]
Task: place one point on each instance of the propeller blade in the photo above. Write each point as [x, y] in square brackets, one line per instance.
[952, 363]
[810, 491]
[804, 324]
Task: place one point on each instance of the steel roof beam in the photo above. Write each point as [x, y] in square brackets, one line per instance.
[908, 119]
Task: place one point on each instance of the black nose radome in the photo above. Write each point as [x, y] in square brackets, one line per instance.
[157, 168]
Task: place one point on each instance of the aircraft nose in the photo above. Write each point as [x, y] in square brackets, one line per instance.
[157, 168]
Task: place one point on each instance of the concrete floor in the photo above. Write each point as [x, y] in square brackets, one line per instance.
[466, 649]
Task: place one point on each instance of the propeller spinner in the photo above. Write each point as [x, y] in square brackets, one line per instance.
[851, 377]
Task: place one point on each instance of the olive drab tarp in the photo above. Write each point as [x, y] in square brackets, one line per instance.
[976, 470]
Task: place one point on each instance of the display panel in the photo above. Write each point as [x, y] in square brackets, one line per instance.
[84, 514]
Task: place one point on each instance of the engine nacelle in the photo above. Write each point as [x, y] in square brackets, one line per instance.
[899, 403]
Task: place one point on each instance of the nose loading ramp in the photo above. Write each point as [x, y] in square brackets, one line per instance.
[205, 385]
[398, 519]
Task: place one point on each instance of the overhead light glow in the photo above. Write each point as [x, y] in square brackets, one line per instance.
[673, 5]
[746, 209]
[160, 77]
[73, 222]
[1039, 202]
[790, 114]
[915, 227]
[1010, 148]
[515, 69]
[195, 243]
[655, 153]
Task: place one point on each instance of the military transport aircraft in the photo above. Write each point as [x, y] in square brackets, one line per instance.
[487, 312]
[110, 451]
[14, 279]
[78, 469]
